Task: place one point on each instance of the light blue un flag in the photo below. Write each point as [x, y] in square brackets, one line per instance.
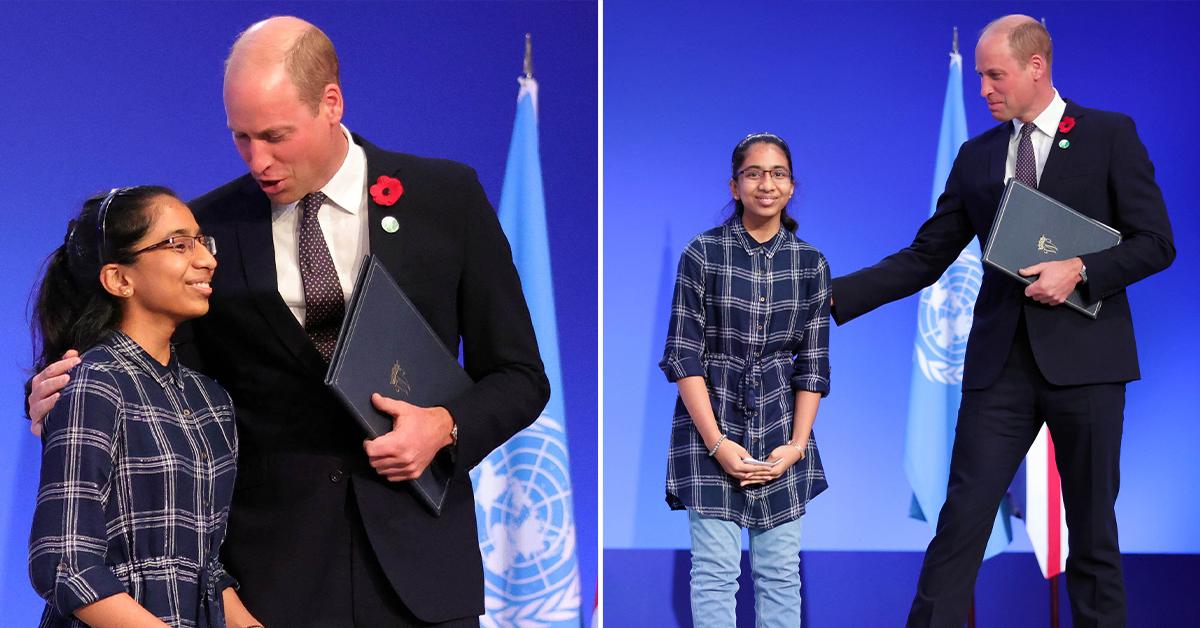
[523, 489]
[943, 324]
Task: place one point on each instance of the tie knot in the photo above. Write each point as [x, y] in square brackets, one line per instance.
[313, 200]
[1026, 131]
[311, 204]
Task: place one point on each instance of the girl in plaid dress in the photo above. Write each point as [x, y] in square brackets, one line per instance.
[139, 453]
[748, 347]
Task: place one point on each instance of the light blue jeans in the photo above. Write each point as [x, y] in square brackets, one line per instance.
[716, 563]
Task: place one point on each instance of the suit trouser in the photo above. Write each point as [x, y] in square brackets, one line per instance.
[996, 427]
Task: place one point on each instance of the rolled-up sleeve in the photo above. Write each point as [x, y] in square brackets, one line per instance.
[68, 542]
[223, 580]
[682, 356]
[812, 360]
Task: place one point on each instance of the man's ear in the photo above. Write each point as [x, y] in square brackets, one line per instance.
[1037, 65]
[331, 103]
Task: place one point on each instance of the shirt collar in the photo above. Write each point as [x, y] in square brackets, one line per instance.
[346, 188]
[769, 248]
[166, 375]
[1047, 121]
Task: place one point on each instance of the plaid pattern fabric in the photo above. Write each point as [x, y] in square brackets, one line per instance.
[138, 464]
[753, 320]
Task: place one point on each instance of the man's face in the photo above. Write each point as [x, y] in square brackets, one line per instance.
[290, 150]
[1008, 88]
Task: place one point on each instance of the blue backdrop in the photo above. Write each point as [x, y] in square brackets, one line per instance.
[857, 89]
[111, 94]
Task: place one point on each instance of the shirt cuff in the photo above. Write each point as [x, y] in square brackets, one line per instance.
[811, 383]
[679, 367]
[74, 590]
[224, 580]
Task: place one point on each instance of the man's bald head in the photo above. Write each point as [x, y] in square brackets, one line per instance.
[1026, 37]
[300, 48]
[284, 107]
[1012, 59]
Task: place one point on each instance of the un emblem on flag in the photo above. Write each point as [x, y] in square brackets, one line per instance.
[526, 530]
[944, 320]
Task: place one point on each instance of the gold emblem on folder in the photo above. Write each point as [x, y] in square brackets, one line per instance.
[1046, 246]
[399, 380]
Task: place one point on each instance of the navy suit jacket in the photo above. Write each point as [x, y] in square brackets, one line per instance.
[302, 455]
[1105, 174]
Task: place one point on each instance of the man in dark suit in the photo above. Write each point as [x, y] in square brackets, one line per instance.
[1029, 360]
[323, 531]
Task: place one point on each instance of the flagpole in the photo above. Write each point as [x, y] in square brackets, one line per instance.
[528, 66]
[1054, 601]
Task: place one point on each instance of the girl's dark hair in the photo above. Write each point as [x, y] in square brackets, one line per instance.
[72, 309]
[739, 155]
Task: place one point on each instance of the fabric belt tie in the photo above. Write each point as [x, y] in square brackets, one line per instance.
[212, 607]
[750, 377]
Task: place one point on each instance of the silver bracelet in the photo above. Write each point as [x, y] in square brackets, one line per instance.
[712, 452]
[798, 446]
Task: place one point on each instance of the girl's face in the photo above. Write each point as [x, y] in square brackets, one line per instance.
[171, 277]
[764, 182]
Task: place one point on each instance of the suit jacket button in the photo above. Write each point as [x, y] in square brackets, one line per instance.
[336, 476]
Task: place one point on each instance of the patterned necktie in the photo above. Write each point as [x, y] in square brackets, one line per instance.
[1026, 163]
[323, 302]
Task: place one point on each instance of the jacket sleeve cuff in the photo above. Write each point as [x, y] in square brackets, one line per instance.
[471, 447]
[1098, 271]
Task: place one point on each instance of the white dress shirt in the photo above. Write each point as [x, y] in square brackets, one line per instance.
[343, 220]
[1043, 137]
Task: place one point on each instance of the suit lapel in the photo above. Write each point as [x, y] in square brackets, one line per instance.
[257, 247]
[1056, 160]
[388, 246]
[997, 152]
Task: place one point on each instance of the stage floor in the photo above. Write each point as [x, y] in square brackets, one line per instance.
[857, 589]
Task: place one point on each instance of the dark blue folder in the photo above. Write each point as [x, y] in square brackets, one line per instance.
[385, 346]
[1031, 228]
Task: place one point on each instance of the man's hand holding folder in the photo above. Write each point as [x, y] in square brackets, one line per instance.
[417, 435]
[1055, 280]
[386, 346]
[1031, 227]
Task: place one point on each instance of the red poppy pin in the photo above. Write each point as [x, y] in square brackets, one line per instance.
[387, 190]
[1066, 124]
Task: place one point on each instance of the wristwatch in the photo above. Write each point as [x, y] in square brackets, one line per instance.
[1082, 272]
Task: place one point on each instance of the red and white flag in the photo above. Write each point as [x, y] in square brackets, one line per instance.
[1045, 516]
